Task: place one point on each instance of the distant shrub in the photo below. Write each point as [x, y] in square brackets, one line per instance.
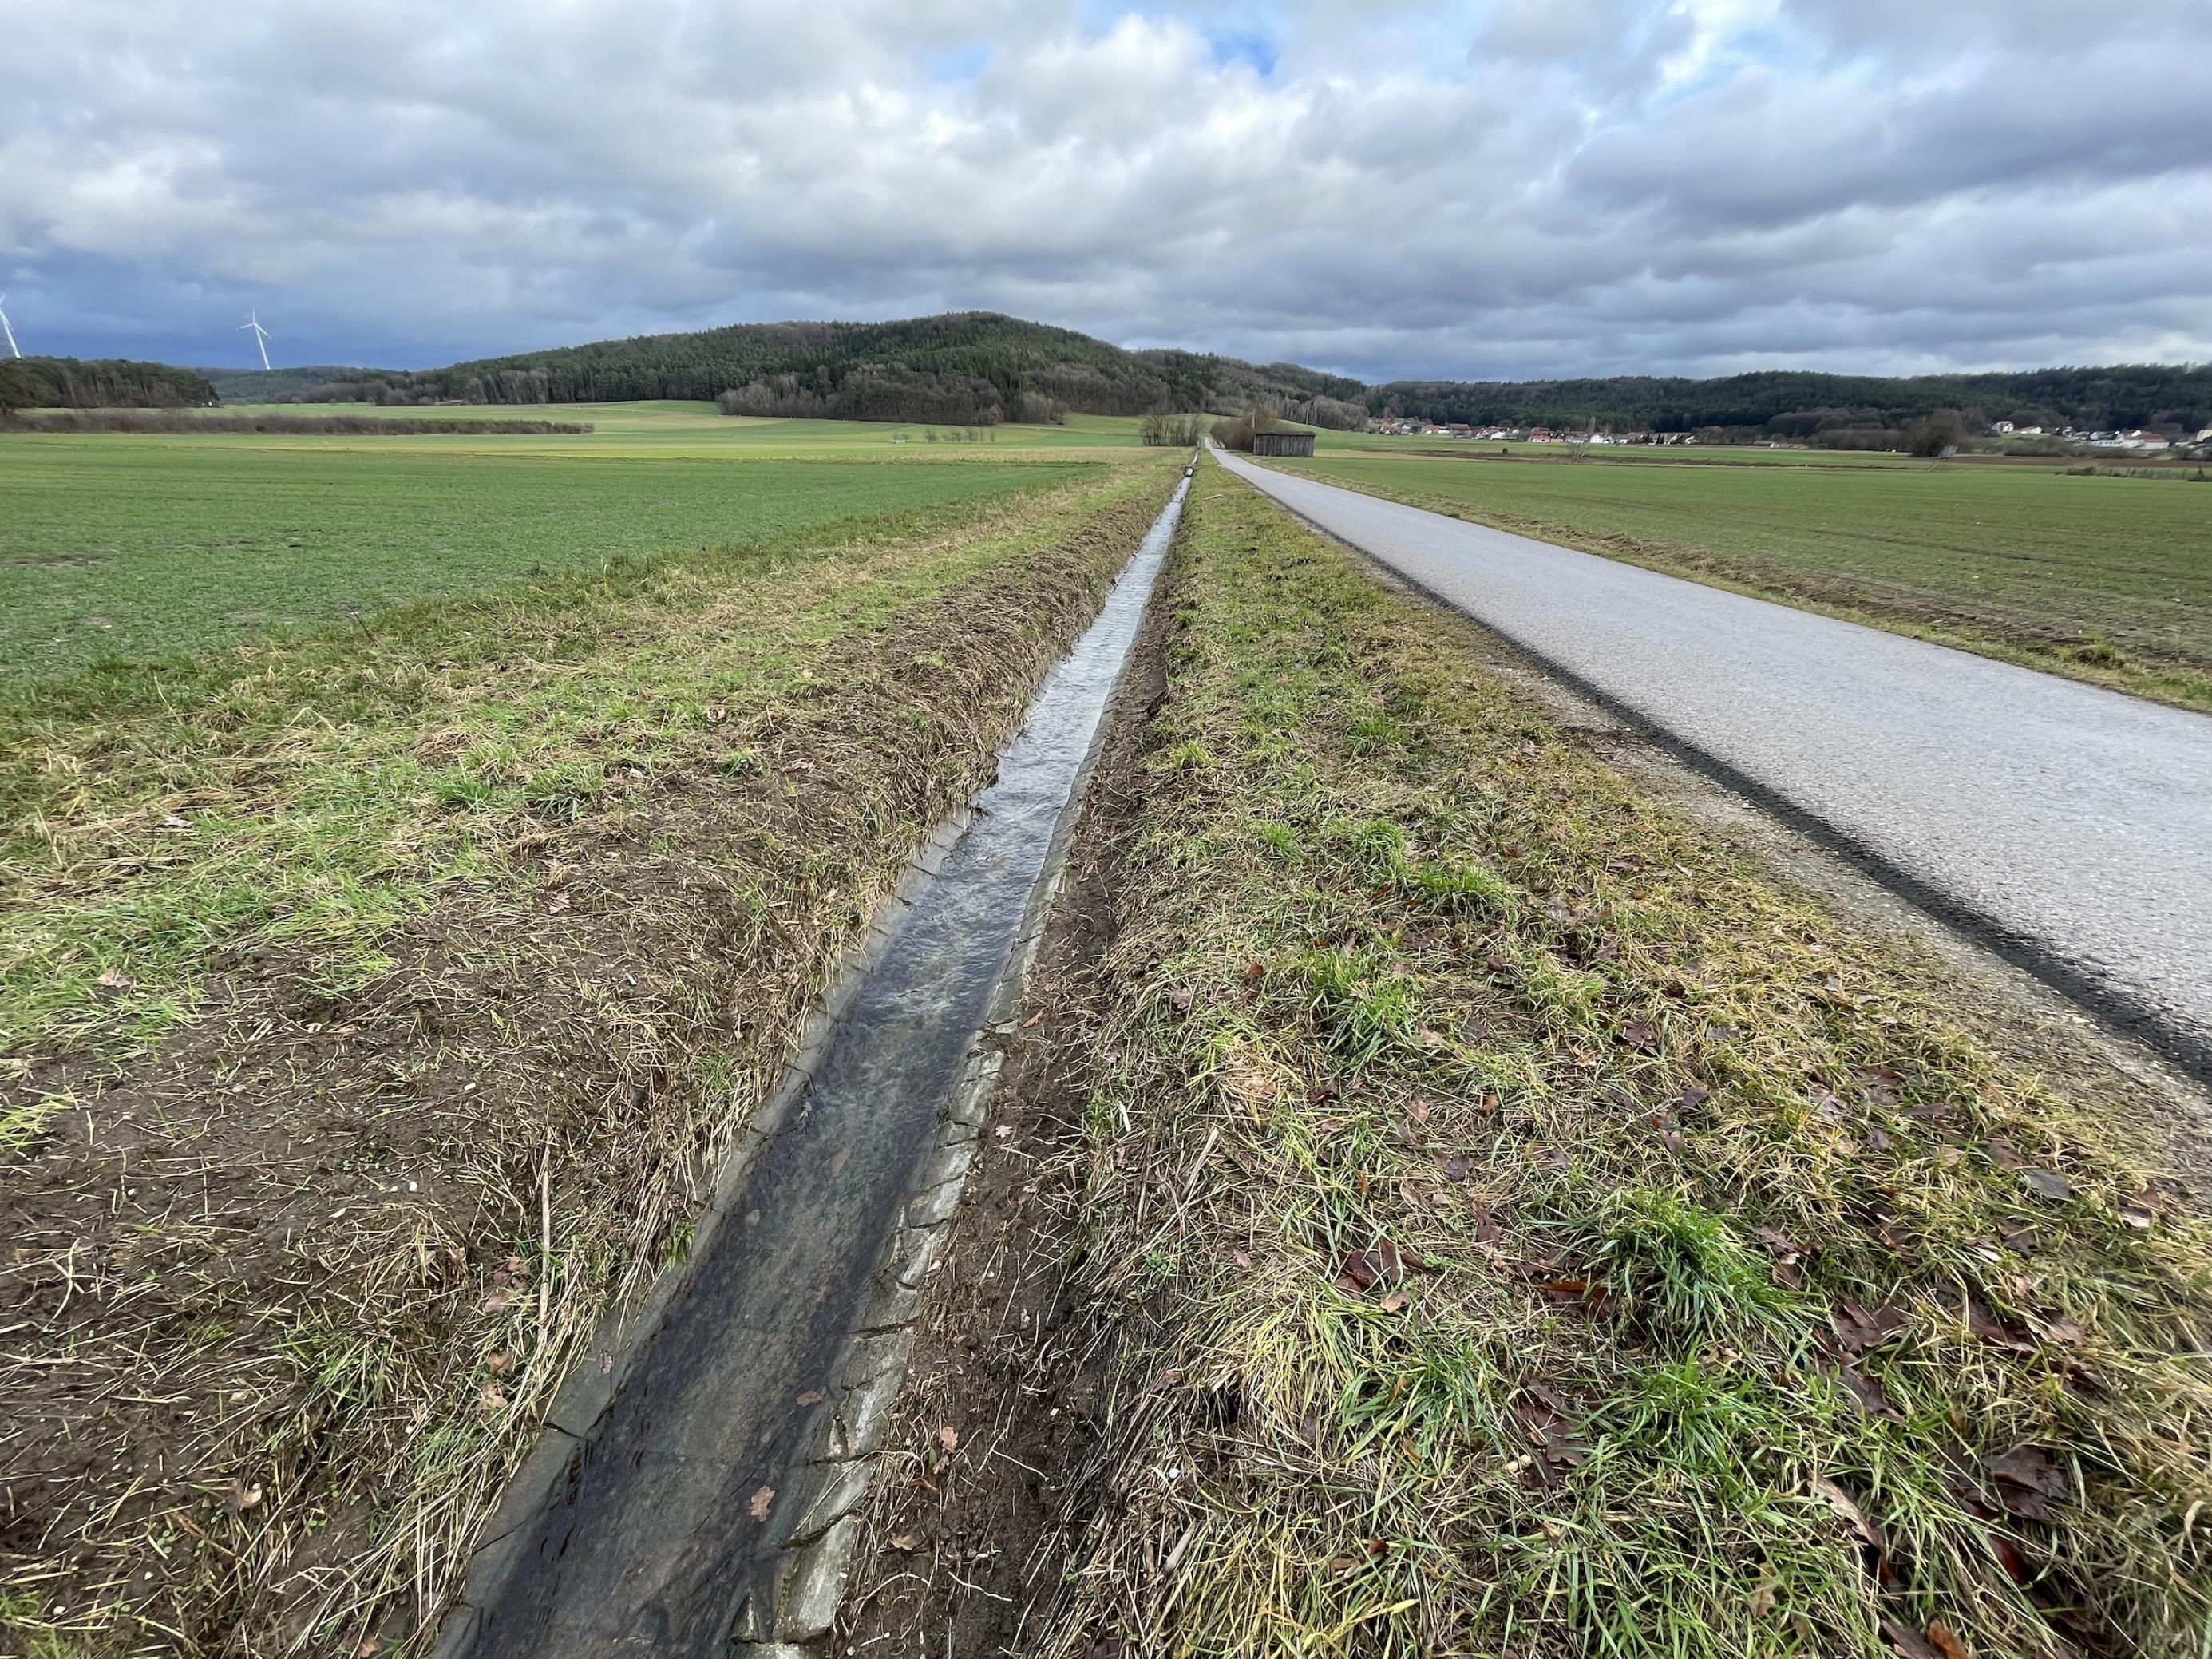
[1931, 434]
[1170, 431]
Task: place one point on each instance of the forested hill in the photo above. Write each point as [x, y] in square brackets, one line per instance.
[1796, 404]
[103, 383]
[980, 367]
[269, 386]
[962, 366]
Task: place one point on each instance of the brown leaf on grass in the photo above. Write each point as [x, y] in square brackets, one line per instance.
[491, 1396]
[2028, 1479]
[905, 1542]
[1778, 1244]
[2001, 1154]
[1847, 1507]
[496, 1301]
[1243, 1259]
[2017, 1239]
[2065, 1331]
[1558, 1449]
[1859, 1329]
[1985, 1326]
[1418, 1110]
[1110, 1647]
[1453, 1166]
[1941, 1639]
[757, 1505]
[811, 1397]
[243, 1495]
[1362, 1270]
[1866, 1391]
[1181, 998]
[1908, 1642]
[1880, 1083]
[1636, 1034]
[499, 1363]
[1394, 1301]
[1764, 1598]
[949, 1438]
[2046, 1184]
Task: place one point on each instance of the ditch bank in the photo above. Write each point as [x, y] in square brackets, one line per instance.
[702, 1484]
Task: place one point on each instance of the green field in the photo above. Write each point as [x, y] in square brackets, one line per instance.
[125, 548]
[2107, 578]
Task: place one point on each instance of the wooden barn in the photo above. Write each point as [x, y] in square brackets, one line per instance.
[1282, 442]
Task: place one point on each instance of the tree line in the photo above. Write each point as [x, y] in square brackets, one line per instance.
[102, 383]
[1845, 410]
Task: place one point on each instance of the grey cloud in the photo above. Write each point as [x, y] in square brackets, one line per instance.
[1443, 187]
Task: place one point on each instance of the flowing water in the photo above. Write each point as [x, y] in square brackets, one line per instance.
[649, 1542]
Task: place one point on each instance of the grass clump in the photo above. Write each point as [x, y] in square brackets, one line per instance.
[1583, 1245]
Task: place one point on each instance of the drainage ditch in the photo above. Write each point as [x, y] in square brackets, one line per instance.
[706, 1491]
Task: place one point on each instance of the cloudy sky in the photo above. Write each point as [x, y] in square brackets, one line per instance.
[1467, 189]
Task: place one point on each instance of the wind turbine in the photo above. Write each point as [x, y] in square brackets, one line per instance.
[13, 350]
[260, 335]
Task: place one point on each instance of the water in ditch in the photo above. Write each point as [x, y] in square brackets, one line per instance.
[647, 1543]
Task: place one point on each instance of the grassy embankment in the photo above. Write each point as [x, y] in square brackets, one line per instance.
[2105, 580]
[124, 547]
[373, 1000]
[1539, 1235]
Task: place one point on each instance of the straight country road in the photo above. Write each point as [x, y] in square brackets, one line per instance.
[2068, 826]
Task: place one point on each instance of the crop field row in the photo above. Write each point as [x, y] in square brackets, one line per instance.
[2107, 579]
[122, 547]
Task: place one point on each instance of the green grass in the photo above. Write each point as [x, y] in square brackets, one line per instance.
[2108, 580]
[1581, 1245]
[124, 548]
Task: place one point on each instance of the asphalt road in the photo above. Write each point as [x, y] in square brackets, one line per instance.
[2067, 825]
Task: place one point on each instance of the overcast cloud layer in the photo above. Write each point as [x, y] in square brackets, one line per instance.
[1486, 188]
